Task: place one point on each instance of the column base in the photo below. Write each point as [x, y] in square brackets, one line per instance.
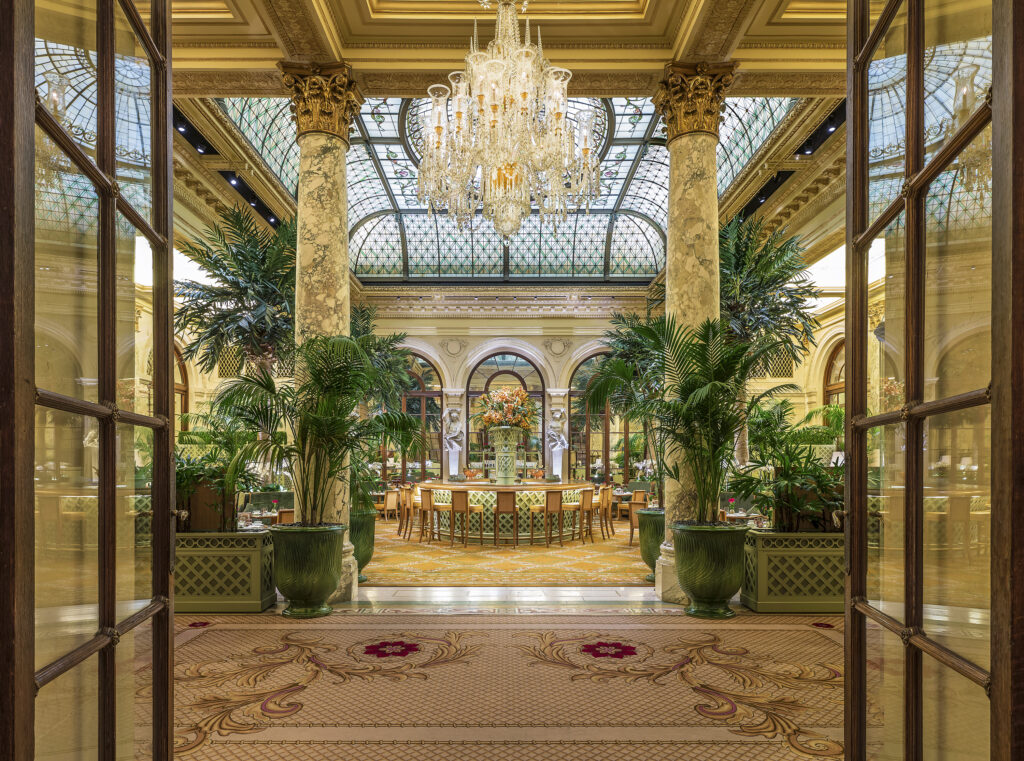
[666, 583]
[348, 587]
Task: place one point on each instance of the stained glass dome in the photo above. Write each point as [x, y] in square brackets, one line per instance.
[622, 238]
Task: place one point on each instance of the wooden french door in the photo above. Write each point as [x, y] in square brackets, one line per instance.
[933, 381]
[85, 325]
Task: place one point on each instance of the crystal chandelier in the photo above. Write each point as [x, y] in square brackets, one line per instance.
[500, 140]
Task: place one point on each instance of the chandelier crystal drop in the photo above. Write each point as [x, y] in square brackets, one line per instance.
[500, 140]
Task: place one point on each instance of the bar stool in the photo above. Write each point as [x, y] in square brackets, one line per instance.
[404, 508]
[459, 506]
[587, 515]
[604, 508]
[552, 506]
[389, 505]
[507, 506]
[576, 508]
[426, 513]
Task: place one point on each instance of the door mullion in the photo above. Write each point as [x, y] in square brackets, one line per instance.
[855, 655]
[106, 330]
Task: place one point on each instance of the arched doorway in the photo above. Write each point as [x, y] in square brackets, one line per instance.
[505, 370]
[834, 387]
[423, 400]
[597, 442]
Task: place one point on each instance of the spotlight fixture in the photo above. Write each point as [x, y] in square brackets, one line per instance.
[201, 148]
[233, 180]
[272, 220]
[252, 204]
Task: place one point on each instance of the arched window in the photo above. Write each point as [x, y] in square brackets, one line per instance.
[180, 389]
[505, 370]
[423, 400]
[595, 440]
[835, 376]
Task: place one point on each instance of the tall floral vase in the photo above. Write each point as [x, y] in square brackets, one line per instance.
[504, 439]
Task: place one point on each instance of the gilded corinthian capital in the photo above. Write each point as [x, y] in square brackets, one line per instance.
[690, 98]
[324, 97]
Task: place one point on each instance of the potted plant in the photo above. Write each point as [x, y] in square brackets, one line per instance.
[505, 414]
[797, 565]
[310, 428]
[698, 419]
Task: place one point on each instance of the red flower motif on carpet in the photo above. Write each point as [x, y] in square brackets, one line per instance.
[391, 649]
[608, 650]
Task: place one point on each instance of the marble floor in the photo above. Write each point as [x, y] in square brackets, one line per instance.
[499, 673]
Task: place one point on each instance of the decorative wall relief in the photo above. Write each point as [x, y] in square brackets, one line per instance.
[557, 346]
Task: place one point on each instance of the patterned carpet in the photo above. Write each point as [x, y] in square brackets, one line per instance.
[591, 686]
[611, 562]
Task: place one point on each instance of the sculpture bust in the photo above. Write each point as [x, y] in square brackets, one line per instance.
[453, 440]
[556, 431]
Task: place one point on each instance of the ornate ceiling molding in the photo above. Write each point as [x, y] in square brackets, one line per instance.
[232, 83]
[690, 98]
[325, 98]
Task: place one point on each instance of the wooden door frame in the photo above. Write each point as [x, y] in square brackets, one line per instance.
[1005, 110]
[20, 114]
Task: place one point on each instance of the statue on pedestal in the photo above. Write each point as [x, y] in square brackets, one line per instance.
[557, 441]
[453, 441]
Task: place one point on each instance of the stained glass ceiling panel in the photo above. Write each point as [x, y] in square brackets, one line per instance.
[623, 236]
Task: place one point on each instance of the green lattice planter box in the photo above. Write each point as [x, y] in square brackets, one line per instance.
[224, 573]
[793, 572]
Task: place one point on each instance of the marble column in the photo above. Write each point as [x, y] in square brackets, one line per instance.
[690, 99]
[324, 102]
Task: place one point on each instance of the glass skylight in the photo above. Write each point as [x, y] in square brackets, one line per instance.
[623, 236]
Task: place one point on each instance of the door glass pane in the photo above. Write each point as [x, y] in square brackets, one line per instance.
[67, 230]
[67, 522]
[955, 713]
[67, 715]
[886, 517]
[958, 281]
[133, 668]
[886, 319]
[133, 92]
[957, 66]
[887, 124]
[134, 523]
[134, 319]
[884, 733]
[65, 67]
[957, 531]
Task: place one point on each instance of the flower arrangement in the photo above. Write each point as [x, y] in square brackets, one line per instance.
[507, 406]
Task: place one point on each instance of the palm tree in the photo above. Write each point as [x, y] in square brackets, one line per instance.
[309, 425]
[386, 355]
[632, 375]
[250, 306]
[697, 417]
[766, 297]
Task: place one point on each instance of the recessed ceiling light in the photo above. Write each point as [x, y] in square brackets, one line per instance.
[181, 128]
[272, 220]
[234, 180]
[831, 128]
[252, 204]
[808, 152]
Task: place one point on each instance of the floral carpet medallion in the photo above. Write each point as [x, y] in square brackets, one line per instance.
[537, 687]
[759, 697]
[243, 707]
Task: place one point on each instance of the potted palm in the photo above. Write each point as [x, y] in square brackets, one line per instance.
[310, 428]
[797, 565]
[698, 418]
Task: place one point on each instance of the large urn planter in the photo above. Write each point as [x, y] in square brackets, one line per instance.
[793, 572]
[709, 565]
[652, 534]
[504, 439]
[307, 566]
[224, 572]
[362, 534]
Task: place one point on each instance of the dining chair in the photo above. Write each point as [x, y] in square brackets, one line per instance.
[390, 504]
[404, 509]
[634, 518]
[606, 498]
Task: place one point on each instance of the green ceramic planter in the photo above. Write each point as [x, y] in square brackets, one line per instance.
[307, 566]
[504, 439]
[362, 532]
[652, 534]
[709, 564]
